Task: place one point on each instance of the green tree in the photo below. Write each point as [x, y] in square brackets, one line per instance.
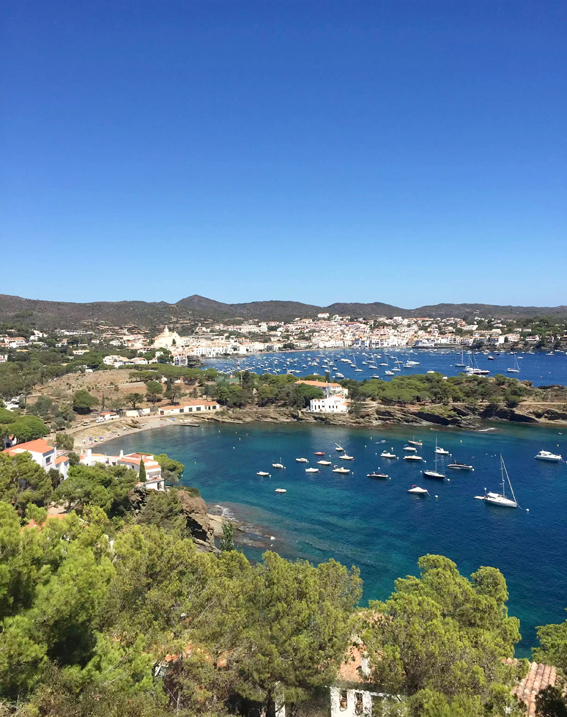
[142, 473]
[64, 441]
[23, 481]
[227, 539]
[83, 401]
[106, 487]
[154, 390]
[553, 645]
[133, 399]
[551, 702]
[171, 469]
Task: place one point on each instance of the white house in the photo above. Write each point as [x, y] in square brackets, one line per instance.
[329, 389]
[108, 416]
[43, 454]
[330, 404]
[194, 405]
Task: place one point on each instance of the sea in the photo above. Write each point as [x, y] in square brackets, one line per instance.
[539, 367]
[375, 524]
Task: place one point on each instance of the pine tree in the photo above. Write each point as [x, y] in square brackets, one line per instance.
[142, 472]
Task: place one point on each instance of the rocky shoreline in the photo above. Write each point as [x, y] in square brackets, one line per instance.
[465, 416]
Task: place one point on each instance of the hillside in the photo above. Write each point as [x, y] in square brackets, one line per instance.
[51, 314]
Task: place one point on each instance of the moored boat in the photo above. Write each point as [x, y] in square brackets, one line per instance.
[548, 456]
[416, 490]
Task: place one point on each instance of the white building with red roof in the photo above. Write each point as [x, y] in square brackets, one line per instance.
[194, 405]
[43, 454]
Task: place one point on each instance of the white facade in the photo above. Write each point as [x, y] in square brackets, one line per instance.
[354, 702]
[331, 404]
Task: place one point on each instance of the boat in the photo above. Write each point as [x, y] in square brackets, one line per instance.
[281, 490]
[319, 453]
[344, 457]
[491, 358]
[376, 474]
[412, 457]
[416, 490]
[324, 463]
[338, 447]
[410, 449]
[462, 363]
[302, 460]
[413, 442]
[441, 451]
[340, 469]
[389, 373]
[312, 470]
[263, 474]
[434, 473]
[515, 368]
[548, 456]
[500, 499]
[458, 466]
[388, 454]
[278, 465]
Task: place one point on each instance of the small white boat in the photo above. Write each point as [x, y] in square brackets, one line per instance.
[548, 456]
[412, 457]
[324, 463]
[263, 474]
[302, 460]
[441, 451]
[281, 490]
[344, 457]
[416, 490]
[458, 466]
[340, 469]
[413, 442]
[338, 448]
[312, 470]
[389, 373]
[278, 465]
[410, 449]
[500, 499]
[388, 454]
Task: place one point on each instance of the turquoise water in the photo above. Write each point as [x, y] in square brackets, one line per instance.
[537, 367]
[377, 525]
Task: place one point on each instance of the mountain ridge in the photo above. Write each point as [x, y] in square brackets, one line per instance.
[52, 314]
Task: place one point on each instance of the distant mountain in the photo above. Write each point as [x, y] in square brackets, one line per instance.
[52, 314]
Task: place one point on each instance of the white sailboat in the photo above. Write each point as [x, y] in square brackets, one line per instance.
[462, 363]
[515, 368]
[500, 498]
[434, 473]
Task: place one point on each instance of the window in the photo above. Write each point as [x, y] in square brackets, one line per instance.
[358, 703]
[343, 700]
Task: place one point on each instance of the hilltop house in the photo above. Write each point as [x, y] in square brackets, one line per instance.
[154, 479]
[188, 406]
[329, 389]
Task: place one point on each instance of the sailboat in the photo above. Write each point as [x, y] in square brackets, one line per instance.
[515, 368]
[500, 498]
[434, 473]
[462, 364]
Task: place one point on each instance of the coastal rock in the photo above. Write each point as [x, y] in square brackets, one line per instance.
[198, 522]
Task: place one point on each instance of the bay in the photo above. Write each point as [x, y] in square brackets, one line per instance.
[376, 525]
[539, 367]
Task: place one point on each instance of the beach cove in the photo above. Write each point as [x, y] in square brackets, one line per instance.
[376, 525]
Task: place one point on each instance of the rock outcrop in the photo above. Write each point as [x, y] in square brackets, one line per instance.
[198, 522]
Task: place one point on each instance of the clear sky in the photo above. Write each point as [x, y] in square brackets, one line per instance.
[403, 151]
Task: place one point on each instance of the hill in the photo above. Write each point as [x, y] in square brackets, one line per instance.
[51, 314]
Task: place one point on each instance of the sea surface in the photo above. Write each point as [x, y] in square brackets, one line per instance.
[375, 524]
[539, 367]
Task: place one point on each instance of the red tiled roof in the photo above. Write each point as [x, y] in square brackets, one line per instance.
[37, 446]
[320, 384]
[538, 678]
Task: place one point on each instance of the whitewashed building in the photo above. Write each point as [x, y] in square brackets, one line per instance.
[329, 404]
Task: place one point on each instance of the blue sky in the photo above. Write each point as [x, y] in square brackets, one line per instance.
[410, 152]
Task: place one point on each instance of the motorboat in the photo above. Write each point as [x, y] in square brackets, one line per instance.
[312, 470]
[344, 457]
[302, 460]
[458, 466]
[412, 457]
[410, 449]
[376, 474]
[281, 490]
[501, 499]
[413, 442]
[441, 451]
[416, 490]
[340, 469]
[389, 373]
[319, 453]
[278, 465]
[263, 474]
[338, 447]
[324, 463]
[548, 456]
[388, 454]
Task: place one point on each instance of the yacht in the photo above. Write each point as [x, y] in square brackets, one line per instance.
[434, 473]
[323, 463]
[441, 451]
[500, 498]
[412, 457]
[457, 466]
[278, 465]
[416, 490]
[340, 469]
[302, 460]
[281, 490]
[319, 453]
[312, 470]
[389, 373]
[338, 447]
[410, 449]
[263, 474]
[388, 454]
[462, 363]
[413, 442]
[548, 456]
[344, 457]
[377, 474]
[515, 368]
